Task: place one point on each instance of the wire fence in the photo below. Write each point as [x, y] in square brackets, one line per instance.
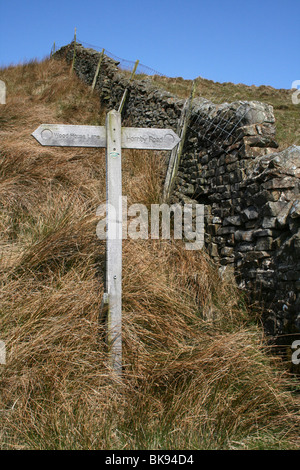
[221, 128]
[124, 64]
[212, 130]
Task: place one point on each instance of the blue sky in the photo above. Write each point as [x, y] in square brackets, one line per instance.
[252, 42]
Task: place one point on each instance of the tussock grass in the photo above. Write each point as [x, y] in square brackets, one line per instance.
[197, 373]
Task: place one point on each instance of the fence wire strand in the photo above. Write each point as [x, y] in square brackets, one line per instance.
[124, 64]
[204, 127]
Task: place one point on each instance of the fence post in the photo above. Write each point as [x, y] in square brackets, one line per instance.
[97, 70]
[52, 50]
[74, 53]
[121, 106]
[177, 151]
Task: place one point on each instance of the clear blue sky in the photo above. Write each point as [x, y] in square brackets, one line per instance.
[252, 42]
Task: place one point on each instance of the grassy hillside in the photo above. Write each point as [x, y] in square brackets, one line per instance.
[286, 113]
[197, 373]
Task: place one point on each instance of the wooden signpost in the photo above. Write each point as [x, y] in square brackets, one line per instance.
[113, 137]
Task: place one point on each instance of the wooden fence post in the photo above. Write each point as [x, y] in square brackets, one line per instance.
[74, 53]
[52, 50]
[121, 106]
[177, 151]
[97, 70]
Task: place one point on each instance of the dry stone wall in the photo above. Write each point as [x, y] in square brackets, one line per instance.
[230, 164]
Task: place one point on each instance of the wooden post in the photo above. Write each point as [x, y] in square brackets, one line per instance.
[97, 70]
[177, 151]
[114, 238]
[52, 50]
[134, 70]
[74, 53]
[126, 91]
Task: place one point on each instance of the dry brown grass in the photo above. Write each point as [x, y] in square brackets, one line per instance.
[196, 371]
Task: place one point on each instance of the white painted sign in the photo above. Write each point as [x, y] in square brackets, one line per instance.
[95, 136]
[147, 138]
[61, 135]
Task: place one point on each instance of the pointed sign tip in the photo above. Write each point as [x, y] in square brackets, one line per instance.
[35, 134]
